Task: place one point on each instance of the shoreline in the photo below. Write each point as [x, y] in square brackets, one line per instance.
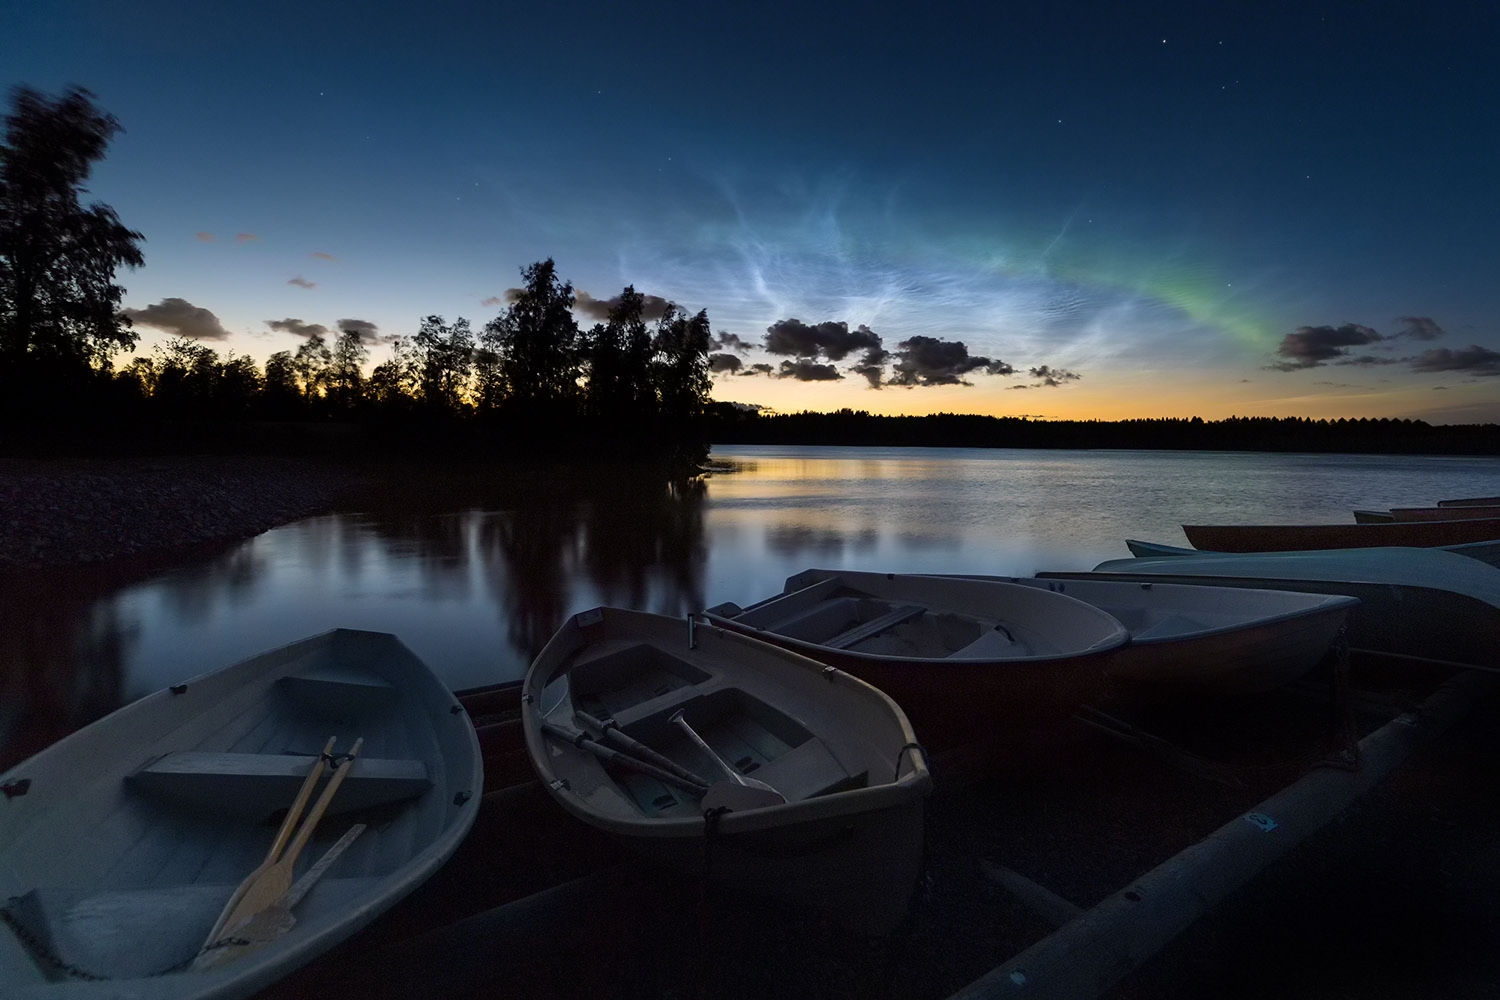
[58, 514]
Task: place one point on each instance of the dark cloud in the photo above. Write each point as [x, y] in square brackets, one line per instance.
[367, 331]
[831, 340]
[302, 282]
[320, 255]
[1367, 359]
[205, 237]
[808, 370]
[493, 300]
[181, 317]
[723, 363]
[653, 307]
[244, 237]
[297, 327]
[1473, 359]
[1419, 328]
[733, 342]
[1053, 376]
[925, 361]
[1311, 346]
[760, 369]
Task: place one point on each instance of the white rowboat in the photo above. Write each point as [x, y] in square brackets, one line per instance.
[843, 828]
[121, 844]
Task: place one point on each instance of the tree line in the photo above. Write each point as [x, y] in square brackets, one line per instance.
[730, 424]
[528, 380]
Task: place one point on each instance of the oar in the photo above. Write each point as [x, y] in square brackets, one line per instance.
[744, 793]
[611, 731]
[276, 919]
[269, 886]
[293, 813]
[582, 741]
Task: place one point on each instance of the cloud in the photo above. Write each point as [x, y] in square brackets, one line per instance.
[1473, 359]
[1419, 328]
[733, 342]
[494, 300]
[302, 282]
[298, 327]
[363, 327]
[808, 370]
[652, 306]
[244, 237]
[758, 369]
[1053, 376]
[1311, 346]
[181, 317]
[320, 255]
[1367, 359]
[204, 237]
[831, 340]
[927, 361]
[723, 363]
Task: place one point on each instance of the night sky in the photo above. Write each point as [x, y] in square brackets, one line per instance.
[1063, 210]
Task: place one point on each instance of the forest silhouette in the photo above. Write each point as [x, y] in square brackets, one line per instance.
[528, 382]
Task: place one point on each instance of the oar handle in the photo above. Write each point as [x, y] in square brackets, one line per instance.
[294, 812]
[341, 771]
[612, 732]
[582, 741]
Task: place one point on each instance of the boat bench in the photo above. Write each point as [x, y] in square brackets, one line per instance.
[874, 626]
[993, 641]
[258, 784]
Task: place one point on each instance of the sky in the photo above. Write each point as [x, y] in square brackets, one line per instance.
[1059, 210]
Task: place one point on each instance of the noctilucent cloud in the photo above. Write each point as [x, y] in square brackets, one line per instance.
[1062, 210]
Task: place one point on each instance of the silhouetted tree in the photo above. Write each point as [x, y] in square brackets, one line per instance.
[617, 365]
[536, 339]
[311, 364]
[444, 356]
[346, 378]
[282, 396]
[393, 384]
[60, 321]
[682, 379]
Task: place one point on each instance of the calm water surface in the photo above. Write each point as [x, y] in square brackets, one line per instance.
[476, 586]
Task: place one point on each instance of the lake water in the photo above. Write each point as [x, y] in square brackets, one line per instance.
[475, 586]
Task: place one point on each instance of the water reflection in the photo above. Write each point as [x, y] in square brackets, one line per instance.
[476, 574]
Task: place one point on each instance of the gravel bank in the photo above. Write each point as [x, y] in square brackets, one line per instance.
[55, 514]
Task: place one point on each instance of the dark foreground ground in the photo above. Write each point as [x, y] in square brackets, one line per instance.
[1399, 897]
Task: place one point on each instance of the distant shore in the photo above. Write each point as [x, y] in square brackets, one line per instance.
[60, 513]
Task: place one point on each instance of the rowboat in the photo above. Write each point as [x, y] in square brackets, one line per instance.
[1486, 552]
[961, 656]
[714, 753]
[1222, 640]
[1419, 604]
[132, 850]
[1465, 513]
[1294, 537]
[1471, 502]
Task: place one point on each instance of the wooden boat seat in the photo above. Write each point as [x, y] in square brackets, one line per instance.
[762, 613]
[812, 624]
[257, 785]
[338, 692]
[874, 626]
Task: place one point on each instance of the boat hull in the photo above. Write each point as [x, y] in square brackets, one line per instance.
[1296, 537]
[1418, 604]
[964, 696]
[1210, 640]
[848, 839]
[116, 863]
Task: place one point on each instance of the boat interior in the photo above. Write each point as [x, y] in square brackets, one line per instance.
[167, 847]
[832, 614]
[641, 686]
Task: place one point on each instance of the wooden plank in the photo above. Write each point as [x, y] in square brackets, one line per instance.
[256, 785]
[874, 626]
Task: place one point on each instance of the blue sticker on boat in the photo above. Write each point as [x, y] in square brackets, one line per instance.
[1266, 823]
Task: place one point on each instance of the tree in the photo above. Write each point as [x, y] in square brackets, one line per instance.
[445, 359]
[311, 364]
[536, 339]
[60, 319]
[346, 379]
